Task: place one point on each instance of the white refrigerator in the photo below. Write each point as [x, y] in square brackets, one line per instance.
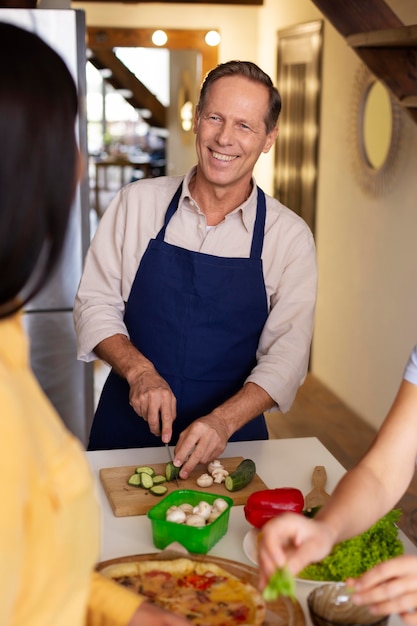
[48, 318]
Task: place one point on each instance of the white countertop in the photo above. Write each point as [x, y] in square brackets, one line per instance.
[279, 462]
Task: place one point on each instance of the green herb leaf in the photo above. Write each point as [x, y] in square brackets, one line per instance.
[281, 583]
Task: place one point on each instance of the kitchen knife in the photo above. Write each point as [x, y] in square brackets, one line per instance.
[171, 461]
[168, 449]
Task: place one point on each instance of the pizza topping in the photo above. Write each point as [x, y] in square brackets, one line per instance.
[204, 593]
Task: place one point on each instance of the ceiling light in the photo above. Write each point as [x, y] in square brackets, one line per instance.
[125, 93]
[159, 38]
[212, 38]
[105, 72]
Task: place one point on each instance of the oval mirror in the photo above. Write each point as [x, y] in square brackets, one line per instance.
[377, 125]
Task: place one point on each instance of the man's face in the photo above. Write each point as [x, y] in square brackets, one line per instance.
[231, 132]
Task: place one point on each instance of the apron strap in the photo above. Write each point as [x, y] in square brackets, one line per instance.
[170, 212]
[258, 229]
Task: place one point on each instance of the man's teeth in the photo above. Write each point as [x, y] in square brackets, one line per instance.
[223, 157]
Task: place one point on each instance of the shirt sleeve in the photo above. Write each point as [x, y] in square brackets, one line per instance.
[110, 604]
[99, 304]
[410, 373]
[284, 346]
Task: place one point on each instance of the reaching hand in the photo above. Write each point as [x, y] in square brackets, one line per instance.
[152, 615]
[294, 540]
[389, 587]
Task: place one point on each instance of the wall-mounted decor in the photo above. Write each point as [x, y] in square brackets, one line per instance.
[299, 83]
[375, 134]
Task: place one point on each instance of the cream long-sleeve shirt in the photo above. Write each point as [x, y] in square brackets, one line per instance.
[289, 265]
[49, 521]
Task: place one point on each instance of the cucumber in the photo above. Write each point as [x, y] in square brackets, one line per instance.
[171, 472]
[134, 480]
[146, 481]
[158, 490]
[159, 479]
[145, 469]
[242, 476]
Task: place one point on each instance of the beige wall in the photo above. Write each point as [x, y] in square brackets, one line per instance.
[366, 320]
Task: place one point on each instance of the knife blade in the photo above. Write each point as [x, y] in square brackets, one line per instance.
[171, 461]
[168, 449]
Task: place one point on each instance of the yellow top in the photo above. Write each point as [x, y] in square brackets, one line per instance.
[49, 520]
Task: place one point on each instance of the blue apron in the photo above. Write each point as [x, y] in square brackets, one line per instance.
[198, 319]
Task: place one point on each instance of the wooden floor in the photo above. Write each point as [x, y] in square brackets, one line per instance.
[317, 412]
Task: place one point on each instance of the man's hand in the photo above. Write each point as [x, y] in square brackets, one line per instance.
[150, 395]
[207, 437]
[204, 440]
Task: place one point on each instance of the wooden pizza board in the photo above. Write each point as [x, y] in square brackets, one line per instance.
[280, 612]
[126, 500]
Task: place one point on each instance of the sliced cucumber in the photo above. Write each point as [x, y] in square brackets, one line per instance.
[146, 481]
[242, 476]
[171, 472]
[158, 490]
[159, 479]
[134, 480]
[144, 469]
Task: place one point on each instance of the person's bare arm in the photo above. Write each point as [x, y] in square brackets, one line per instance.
[150, 395]
[207, 436]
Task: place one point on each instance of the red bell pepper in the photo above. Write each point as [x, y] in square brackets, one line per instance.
[262, 505]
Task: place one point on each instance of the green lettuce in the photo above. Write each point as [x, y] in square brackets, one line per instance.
[281, 583]
[353, 557]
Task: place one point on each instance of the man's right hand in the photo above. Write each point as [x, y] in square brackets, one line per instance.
[150, 395]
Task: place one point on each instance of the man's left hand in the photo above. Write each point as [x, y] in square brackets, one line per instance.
[204, 440]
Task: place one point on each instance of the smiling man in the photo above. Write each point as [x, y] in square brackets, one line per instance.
[199, 290]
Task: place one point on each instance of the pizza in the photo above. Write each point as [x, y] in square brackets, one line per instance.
[204, 593]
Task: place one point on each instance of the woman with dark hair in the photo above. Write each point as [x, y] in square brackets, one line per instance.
[49, 525]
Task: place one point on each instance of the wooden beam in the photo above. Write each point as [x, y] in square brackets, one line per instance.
[357, 16]
[107, 38]
[122, 77]
[233, 2]
[386, 38]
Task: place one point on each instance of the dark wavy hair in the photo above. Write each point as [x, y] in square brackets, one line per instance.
[249, 70]
[38, 109]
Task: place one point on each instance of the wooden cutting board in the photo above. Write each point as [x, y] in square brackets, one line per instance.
[126, 500]
[281, 612]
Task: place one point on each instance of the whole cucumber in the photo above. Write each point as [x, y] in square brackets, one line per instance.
[242, 476]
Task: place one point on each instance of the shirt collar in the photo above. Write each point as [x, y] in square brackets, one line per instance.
[247, 209]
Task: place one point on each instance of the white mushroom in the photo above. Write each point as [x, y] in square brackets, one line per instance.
[213, 515]
[216, 464]
[195, 520]
[174, 507]
[203, 508]
[178, 516]
[219, 474]
[205, 480]
[220, 505]
[186, 507]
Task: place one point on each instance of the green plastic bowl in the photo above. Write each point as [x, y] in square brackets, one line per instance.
[197, 540]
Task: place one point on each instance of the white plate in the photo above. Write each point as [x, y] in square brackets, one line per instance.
[249, 548]
[249, 545]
